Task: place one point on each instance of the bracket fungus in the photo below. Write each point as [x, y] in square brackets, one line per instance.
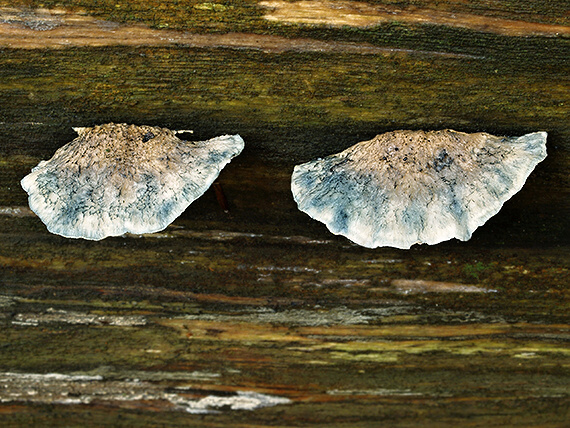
[410, 187]
[118, 178]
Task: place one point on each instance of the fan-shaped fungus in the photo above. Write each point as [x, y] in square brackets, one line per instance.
[119, 178]
[408, 187]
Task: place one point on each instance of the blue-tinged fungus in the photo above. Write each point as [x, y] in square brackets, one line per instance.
[411, 187]
[117, 178]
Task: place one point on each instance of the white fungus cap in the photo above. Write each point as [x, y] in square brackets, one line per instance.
[410, 187]
[118, 178]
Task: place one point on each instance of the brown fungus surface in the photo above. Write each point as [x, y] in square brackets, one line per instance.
[410, 187]
[118, 178]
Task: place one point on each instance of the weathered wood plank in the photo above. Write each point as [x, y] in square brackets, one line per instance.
[259, 316]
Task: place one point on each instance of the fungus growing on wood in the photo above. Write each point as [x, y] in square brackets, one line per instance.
[410, 187]
[118, 178]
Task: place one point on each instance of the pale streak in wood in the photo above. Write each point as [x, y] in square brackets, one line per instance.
[362, 14]
[59, 29]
